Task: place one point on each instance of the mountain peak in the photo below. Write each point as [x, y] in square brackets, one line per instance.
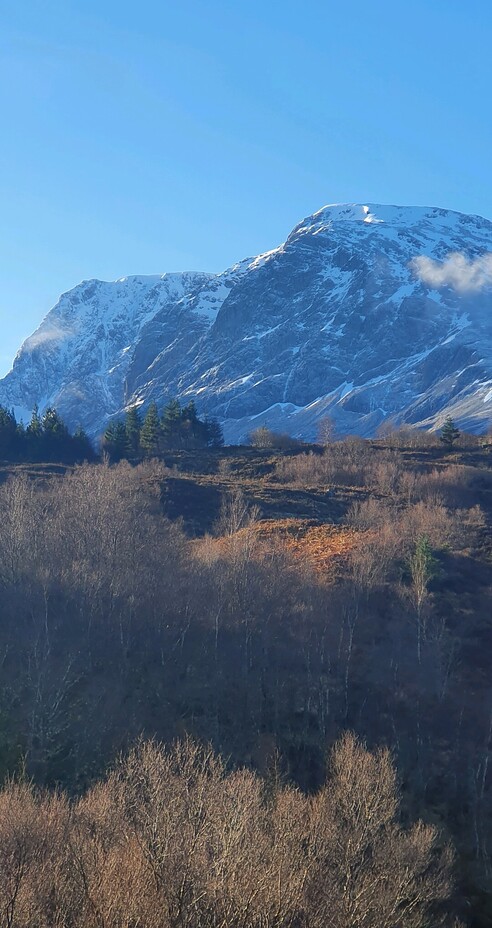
[390, 214]
[348, 212]
[338, 320]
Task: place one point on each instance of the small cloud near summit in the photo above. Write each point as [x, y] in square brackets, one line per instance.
[463, 274]
[47, 333]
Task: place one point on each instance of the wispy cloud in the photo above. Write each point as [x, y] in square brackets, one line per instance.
[46, 334]
[463, 274]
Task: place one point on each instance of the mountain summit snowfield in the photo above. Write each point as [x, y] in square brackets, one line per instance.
[365, 313]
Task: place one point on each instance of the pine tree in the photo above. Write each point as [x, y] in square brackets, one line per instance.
[189, 412]
[53, 424]
[34, 435]
[9, 444]
[121, 440]
[82, 446]
[449, 433]
[151, 430]
[190, 425]
[133, 427]
[35, 427]
[55, 437]
[20, 443]
[115, 441]
[214, 434]
[108, 440]
[171, 423]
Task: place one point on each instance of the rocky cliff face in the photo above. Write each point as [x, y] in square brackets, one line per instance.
[364, 313]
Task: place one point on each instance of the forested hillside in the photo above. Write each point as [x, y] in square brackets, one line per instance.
[266, 603]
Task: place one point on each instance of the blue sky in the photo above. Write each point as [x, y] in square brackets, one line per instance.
[159, 136]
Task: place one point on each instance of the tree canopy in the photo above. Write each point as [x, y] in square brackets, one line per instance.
[449, 433]
[45, 438]
[175, 426]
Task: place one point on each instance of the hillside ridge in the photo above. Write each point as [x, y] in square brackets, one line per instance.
[365, 313]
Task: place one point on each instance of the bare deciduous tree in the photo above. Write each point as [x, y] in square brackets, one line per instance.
[370, 872]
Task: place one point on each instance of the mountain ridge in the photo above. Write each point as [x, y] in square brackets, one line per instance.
[366, 312]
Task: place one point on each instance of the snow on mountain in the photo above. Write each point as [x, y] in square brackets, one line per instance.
[78, 358]
[365, 312]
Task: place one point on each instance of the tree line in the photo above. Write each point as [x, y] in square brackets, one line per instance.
[135, 437]
[45, 438]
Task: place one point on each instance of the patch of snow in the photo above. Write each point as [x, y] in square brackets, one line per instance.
[269, 331]
[210, 301]
[346, 389]
[261, 260]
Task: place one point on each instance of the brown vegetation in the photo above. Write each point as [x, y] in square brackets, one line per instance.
[118, 620]
[172, 839]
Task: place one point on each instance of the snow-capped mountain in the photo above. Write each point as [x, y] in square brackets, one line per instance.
[365, 312]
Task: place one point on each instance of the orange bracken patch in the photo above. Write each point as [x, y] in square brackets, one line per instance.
[322, 546]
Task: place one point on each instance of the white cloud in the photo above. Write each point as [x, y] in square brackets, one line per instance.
[47, 333]
[457, 271]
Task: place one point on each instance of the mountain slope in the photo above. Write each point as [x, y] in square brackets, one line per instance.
[340, 319]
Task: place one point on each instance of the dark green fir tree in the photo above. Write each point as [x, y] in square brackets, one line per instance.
[9, 441]
[56, 438]
[449, 433]
[215, 435]
[151, 431]
[115, 441]
[133, 427]
[35, 427]
[82, 446]
[171, 424]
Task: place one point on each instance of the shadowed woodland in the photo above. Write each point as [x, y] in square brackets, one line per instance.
[265, 603]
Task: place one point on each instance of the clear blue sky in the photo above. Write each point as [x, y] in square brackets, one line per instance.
[142, 137]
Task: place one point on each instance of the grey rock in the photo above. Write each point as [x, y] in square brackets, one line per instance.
[334, 321]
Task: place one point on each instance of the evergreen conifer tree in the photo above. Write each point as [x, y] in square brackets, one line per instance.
[53, 424]
[107, 442]
[35, 427]
[215, 435]
[82, 446]
[9, 443]
[190, 425]
[449, 433]
[171, 423]
[55, 437]
[189, 412]
[151, 430]
[20, 441]
[115, 441]
[34, 435]
[133, 426]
